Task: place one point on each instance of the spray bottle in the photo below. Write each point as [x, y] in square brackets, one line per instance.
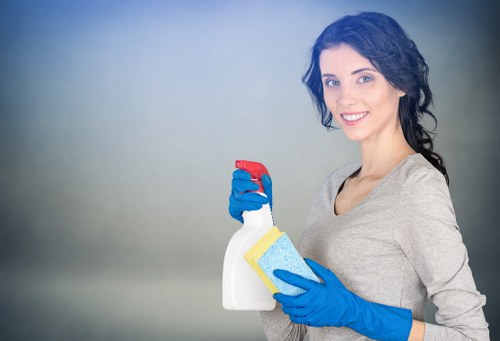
[242, 289]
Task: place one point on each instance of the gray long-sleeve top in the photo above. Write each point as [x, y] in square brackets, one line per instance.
[400, 246]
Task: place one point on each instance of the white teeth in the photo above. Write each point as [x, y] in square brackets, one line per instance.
[354, 117]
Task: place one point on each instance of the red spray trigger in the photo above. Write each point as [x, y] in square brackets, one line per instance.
[256, 170]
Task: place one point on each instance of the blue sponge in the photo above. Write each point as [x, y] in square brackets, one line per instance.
[283, 255]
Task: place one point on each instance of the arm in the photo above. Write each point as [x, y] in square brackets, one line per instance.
[417, 331]
[425, 229]
[330, 304]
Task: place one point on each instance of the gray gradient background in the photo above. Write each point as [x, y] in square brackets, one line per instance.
[119, 125]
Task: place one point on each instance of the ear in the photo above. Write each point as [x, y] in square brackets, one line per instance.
[400, 93]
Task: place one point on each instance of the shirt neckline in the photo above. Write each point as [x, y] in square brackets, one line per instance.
[366, 198]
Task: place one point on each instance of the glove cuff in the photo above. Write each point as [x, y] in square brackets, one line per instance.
[381, 322]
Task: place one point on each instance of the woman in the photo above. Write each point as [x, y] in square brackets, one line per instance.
[382, 233]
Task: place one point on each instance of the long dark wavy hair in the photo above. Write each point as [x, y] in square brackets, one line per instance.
[382, 41]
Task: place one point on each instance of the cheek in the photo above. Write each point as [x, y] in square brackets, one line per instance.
[330, 100]
[379, 100]
[388, 98]
[370, 94]
[390, 103]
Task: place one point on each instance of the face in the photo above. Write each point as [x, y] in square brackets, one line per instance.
[361, 100]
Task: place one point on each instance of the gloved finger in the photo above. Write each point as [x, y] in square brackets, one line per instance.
[300, 301]
[300, 320]
[241, 186]
[250, 198]
[299, 312]
[267, 183]
[294, 279]
[235, 207]
[323, 273]
[268, 188]
[242, 175]
[287, 300]
[305, 304]
[305, 301]
[237, 216]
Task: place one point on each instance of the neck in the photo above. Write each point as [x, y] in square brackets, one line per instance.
[380, 156]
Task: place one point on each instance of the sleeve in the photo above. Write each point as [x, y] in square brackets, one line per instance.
[278, 327]
[426, 230]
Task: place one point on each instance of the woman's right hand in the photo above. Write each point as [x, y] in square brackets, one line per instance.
[242, 200]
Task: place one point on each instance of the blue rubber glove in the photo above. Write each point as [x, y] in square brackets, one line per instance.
[241, 200]
[331, 304]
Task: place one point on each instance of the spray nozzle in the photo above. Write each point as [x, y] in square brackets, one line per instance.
[256, 170]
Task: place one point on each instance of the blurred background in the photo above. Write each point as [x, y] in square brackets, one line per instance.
[119, 125]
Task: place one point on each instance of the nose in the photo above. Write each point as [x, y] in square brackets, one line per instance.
[346, 97]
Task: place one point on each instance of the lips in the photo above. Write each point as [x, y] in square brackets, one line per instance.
[351, 118]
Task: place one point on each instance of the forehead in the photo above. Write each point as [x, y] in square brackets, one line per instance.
[342, 59]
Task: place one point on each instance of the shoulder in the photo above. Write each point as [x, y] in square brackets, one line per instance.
[419, 175]
[424, 207]
[423, 190]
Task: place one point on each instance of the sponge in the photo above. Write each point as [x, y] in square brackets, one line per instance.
[253, 255]
[275, 251]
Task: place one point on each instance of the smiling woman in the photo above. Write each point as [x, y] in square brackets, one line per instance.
[381, 49]
[382, 233]
[358, 95]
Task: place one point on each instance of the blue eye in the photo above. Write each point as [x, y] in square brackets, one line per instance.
[365, 79]
[331, 82]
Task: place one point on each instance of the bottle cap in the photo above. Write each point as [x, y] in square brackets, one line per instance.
[256, 170]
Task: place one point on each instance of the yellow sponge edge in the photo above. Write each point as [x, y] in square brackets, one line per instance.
[253, 255]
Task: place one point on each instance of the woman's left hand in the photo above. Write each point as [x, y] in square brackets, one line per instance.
[323, 304]
[331, 304]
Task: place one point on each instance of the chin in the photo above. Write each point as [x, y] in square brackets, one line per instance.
[354, 137]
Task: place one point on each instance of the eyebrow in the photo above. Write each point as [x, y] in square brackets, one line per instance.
[352, 73]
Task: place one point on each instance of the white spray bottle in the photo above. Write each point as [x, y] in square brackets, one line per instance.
[242, 289]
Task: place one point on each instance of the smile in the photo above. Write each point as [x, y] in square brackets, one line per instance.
[352, 118]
